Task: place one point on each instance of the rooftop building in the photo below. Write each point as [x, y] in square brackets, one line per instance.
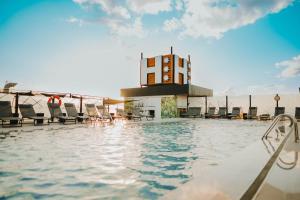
[166, 88]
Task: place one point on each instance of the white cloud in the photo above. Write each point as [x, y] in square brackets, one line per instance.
[171, 25]
[108, 6]
[74, 20]
[178, 4]
[207, 18]
[267, 89]
[149, 7]
[121, 28]
[291, 67]
[197, 18]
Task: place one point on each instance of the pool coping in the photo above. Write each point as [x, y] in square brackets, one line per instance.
[235, 178]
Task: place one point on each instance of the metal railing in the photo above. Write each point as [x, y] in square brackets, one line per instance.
[275, 152]
[293, 125]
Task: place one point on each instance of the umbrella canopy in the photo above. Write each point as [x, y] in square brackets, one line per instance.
[9, 85]
[110, 101]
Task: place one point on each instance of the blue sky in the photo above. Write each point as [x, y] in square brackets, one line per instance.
[93, 46]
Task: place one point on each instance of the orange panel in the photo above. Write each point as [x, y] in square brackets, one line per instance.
[150, 78]
[180, 62]
[180, 78]
[150, 62]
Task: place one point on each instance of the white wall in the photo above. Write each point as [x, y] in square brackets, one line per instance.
[178, 70]
[145, 70]
[149, 103]
[181, 101]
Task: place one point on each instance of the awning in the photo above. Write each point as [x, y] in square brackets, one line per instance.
[55, 94]
[171, 89]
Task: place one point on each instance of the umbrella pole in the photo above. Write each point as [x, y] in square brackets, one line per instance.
[80, 109]
[17, 104]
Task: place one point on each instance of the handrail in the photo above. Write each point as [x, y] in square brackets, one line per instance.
[293, 123]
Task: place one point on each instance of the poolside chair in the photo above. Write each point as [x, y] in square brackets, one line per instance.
[103, 113]
[120, 113]
[27, 112]
[192, 112]
[297, 113]
[235, 113]
[91, 111]
[6, 115]
[211, 112]
[221, 113]
[55, 112]
[72, 112]
[252, 113]
[279, 110]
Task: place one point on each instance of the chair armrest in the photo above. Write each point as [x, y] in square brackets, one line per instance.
[80, 114]
[15, 114]
[40, 114]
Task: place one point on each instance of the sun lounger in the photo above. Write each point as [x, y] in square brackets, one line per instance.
[55, 111]
[297, 113]
[252, 113]
[264, 117]
[72, 112]
[279, 110]
[92, 111]
[211, 112]
[27, 112]
[235, 113]
[221, 113]
[6, 115]
[120, 113]
[104, 115]
[192, 112]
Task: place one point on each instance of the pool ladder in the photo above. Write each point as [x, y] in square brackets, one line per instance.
[293, 124]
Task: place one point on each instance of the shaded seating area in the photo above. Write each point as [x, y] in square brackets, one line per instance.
[28, 112]
[252, 113]
[235, 114]
[55, 112]
[192, 112]
[7, 117]
[211, 112]
[221, 113]
[72, 112]
[137, 114]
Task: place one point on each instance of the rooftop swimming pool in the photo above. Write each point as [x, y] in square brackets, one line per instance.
[120, 161]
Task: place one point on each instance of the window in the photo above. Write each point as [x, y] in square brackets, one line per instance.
[150, 62]
[150, 78]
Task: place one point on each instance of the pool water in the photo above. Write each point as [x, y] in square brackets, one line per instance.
[121, 161]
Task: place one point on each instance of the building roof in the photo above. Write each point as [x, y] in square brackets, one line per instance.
[168, 89]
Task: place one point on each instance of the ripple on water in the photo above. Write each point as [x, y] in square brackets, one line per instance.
[126, 161]
[7, 174]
